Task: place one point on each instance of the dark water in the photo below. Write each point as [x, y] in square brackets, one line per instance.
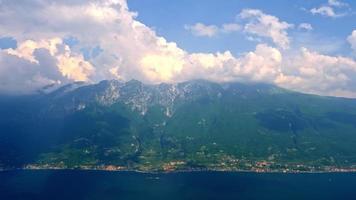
[51, 185]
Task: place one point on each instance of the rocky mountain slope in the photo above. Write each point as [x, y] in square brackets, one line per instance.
[190, 125]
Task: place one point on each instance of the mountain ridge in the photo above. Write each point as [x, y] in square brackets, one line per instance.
[191, 125]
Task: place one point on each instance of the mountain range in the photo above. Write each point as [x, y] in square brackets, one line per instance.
[185, 126]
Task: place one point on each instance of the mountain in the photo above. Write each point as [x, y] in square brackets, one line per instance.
[186, 126]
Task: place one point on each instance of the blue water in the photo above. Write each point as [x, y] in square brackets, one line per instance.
[52, 185]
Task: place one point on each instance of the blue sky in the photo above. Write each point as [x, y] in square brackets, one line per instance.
[303, 45]
[169, 17]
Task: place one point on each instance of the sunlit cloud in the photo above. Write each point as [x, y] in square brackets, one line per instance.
[131, 50]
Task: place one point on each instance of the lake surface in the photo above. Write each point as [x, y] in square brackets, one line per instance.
[102, 185]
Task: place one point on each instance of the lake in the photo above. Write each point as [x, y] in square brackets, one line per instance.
[101, 185]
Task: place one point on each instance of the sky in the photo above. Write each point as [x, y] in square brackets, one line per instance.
[303, 45]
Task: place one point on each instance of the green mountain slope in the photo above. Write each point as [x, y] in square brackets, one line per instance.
[191, 125]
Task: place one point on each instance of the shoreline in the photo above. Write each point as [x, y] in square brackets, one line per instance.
[183, 171]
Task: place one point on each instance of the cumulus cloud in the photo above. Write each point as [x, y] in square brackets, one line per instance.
[305, 26]
[128, 45]
[306, 71]
[130, 49]
[328, 10]
[321, 74]
[262, 64]
[35, 64]
[257, 23]
[325, 11]
[265, 25]
[352, 40]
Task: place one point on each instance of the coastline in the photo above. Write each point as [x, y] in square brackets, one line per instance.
[344, 171]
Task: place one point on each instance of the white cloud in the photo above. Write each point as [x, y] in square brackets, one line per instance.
[265, 25]
[256, 23]
[35, 64]
[231, 27]
[263, 64]
[320, 74]
[328, 10]
[352, 40]
[337, 3]
[200, 29]
[104, 23]
[130, 49]
[325, 11]
[305, 26]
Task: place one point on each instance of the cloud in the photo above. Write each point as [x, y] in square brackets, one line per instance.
[265, 25]
[306, 71]
[328, 10]
[36, 64]
[325, 11]
[130, 49]
[107, 24]
[71, 66]
[316, 73]
[305, 26]
[230, 27]
[200, 29]
[352, 40]
[262, 64]
[337, 3]
[256, 23]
